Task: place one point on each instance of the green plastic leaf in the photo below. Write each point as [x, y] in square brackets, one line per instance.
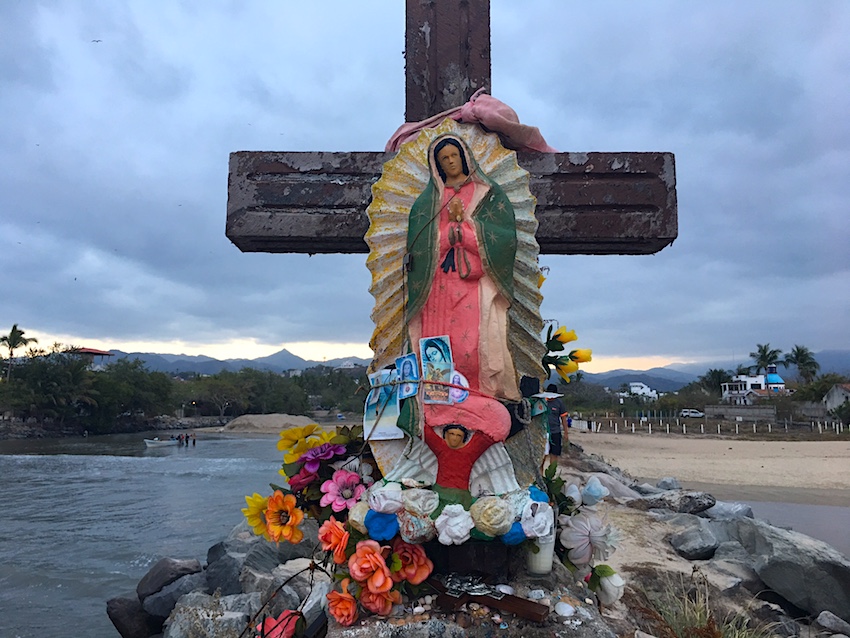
[569, 564]
[593, 583]
[291, 469]
[395, 563]
[604, 571]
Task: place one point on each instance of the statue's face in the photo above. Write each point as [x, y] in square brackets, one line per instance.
[454, 438]
[450, 161]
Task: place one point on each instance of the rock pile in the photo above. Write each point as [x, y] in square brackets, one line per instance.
[785, 580]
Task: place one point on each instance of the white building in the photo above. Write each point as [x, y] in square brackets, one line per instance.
[836, 396]
[639, 389]
[747, 389]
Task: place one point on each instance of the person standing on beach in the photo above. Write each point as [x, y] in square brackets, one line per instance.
[557, 424]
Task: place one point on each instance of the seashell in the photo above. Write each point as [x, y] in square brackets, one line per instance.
[564, 609]
[418, 609]
[506, 589]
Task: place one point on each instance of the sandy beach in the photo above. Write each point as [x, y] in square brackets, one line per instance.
[815, 472]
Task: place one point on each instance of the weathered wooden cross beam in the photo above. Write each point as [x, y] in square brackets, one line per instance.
[315, 202]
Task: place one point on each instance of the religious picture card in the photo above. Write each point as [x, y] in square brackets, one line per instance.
[407, 368]
[381, 413]
[436, 355]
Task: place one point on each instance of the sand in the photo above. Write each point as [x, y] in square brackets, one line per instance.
[791, 471]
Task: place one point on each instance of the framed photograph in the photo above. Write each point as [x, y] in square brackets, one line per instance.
[381, 414]
[407, 369]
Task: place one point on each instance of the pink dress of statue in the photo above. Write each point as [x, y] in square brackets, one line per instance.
[462, 303]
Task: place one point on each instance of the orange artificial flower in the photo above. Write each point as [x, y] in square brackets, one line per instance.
[334, 538]
[582, 355]
[564, 336]
[281, 627]
[368, 566]
[415, 565]
[342, 605]
[283, 518]
[381, 604]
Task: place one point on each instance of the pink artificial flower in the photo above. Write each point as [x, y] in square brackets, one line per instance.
[302, 479]
[326, 451]
[342, 491]
[281, 627]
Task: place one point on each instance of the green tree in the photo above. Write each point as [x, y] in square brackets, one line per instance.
[742, 370]
[713, 380]
[765, 356]
[816, 390]
[803, 358]
[14, 340]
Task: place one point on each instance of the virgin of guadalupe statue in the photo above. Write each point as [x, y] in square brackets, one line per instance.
[461, 262]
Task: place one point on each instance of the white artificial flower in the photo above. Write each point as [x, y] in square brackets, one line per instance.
[588, 538]
[385, 499]
[453, 525]
[419, 501]
[492, 515]
[611, 589]
[572, 493]
[537, 520]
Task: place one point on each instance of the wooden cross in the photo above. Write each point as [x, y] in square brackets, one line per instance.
[315, 202]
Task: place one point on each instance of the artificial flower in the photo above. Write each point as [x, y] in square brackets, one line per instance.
[540, 279]
[255, 514]
[611, 588]
[342, 605]
[380, 603]
[381, 526]
[357, 516]
[515, 535]
[415, 565]
[419, 501]
[368, 566]
[572, 492]
[283, 518]
[537, 519]
[536, 494]
[313, 457]
[294, 442]
[565, 367]
[281, 627]
[587, 538]
[415, 528]
[582, 355]
[593, 491]
[356, 464]
[563, 336]
[334, 538]
[386, 498]
[301, 480]
[453, 525]
[491, 515]
[342, 491]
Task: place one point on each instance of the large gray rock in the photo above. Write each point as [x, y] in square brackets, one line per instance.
[162, 602]
[675, 500]
[198, 614]
[269, 589]
[696, 542]
[669, 483]
[130, 619]
[163, 573]
[833, 623]
[725, 510]
[223, 573]
[296, 573]
[807, 572]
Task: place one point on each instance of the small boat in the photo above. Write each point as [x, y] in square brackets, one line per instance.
[158, 442]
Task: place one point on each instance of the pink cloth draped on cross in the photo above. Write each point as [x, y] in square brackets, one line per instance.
[483, 109]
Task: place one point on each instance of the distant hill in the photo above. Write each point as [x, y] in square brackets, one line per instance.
[277, 362]
[661, 379]
[830, 361]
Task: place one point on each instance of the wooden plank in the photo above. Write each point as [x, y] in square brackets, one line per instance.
[447, 54]
[588, 203]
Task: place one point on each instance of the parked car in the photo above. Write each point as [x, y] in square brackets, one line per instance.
[691, 413]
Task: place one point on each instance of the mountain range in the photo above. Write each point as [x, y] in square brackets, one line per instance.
[667, 379]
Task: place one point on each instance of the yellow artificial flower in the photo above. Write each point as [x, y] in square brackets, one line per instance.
[296, 441]
[283, 518]
[563, 336]
[582, 355]
[565, 368]
[255, 514]
[540, 279]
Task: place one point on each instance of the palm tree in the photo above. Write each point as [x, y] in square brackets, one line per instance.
[764, 356]
[14, 340]
[803, 358]
[714, 379]
[742, 370]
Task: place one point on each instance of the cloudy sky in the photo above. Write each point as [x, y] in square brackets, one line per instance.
[117, 118]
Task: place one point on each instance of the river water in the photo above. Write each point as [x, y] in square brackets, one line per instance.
[82, 520]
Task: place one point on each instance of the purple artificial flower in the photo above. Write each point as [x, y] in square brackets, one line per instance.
[312, 458]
